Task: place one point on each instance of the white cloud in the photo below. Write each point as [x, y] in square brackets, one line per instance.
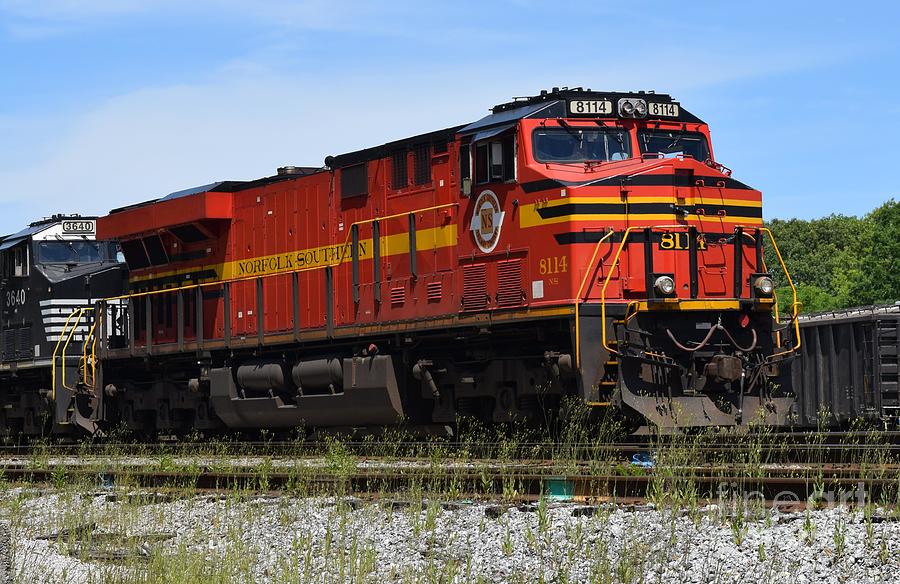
[151, 142]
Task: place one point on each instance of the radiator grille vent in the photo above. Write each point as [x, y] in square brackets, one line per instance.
[435, 292]
[9, 344]
[509, 283]
[17, 344]
[475, 296]
[398, 296]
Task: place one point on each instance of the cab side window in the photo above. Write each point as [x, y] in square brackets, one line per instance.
[495, 160]
[15, 262]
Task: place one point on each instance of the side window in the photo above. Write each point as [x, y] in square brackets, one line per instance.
[465, 168]
[19, 261]
[508, 151]
[481, 163]
[495, 161]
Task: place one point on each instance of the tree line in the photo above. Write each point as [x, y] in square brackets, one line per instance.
[839, 261]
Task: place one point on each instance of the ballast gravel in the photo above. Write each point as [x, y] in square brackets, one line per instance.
[285, 539]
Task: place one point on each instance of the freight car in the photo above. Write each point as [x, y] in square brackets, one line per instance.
[847, 369]
[573, 244]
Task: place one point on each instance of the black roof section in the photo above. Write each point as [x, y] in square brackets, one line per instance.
[384, 150]
[38, 226]
[566, 94]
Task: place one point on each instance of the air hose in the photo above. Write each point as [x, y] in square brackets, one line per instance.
[709, 335]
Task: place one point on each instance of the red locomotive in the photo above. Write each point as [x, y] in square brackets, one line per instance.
[575, 243]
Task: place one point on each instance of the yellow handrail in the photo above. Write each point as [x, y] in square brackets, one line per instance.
[66, 346]
[56, 350]
[92, 338]
[609, 274]
[795, 307]
[624, 242]
[286, 272]
[78, 312]
[580, 298]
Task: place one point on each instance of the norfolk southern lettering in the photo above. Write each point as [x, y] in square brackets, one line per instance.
[299, 260]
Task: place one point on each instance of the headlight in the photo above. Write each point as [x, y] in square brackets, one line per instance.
[764, 286]
[640, 108]
[632, 107]
[664, 285]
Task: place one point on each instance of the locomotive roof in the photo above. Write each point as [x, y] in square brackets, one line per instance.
[554, 101]
[7, 241]
[223, 186]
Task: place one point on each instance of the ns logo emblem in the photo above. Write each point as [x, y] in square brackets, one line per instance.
[487, 220]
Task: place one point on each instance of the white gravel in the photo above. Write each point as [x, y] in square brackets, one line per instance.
[329, 540]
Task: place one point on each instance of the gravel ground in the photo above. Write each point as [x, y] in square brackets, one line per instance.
[337, 540]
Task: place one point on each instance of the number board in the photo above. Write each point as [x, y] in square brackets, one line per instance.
[79, 227]
[586, 107]
[666, 110]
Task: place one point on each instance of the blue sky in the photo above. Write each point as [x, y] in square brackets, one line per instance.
[108, 102]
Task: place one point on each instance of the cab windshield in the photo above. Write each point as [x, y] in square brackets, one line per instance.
[673, 143]
[577, 144]
[71, 252]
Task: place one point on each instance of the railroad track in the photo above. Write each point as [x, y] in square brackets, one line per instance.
[519, 481]
[767, 465]
[833, 443]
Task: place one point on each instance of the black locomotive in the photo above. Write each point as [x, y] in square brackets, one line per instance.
[52, 272]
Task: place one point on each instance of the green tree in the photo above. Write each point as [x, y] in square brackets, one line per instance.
[877, 280]
[822, 257]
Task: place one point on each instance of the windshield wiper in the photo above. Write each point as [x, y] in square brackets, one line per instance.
[572, 131]
[620, 140]
[677, 138]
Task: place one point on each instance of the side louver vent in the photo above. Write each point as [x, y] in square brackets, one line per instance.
[509, 284]
[17, 344]
[435, 292]
[475, 296]
[398, 296]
